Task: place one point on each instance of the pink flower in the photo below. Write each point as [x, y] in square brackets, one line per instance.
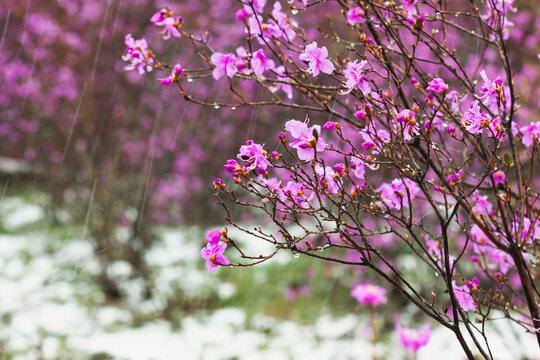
[138, 55]
[356, 16]
[170, 25]
[369, 294]
[307, 141]
[482, 206]
[285, 87]
[213, 236]
[224, 64]
[531, 133]
[464, 297]
[408, 124]
[175, 75]
[354, 77]
[396, 195]
[330, 180]
[454, 178]
[213, 254]
[317, 59]
[413, 340]
[255, 156]
[296, 192]
[161, 15]
[437, 85]
[242, 14]
[475, 121]
[260, 63]
[283, 22]
[499, 177]
[490, 90]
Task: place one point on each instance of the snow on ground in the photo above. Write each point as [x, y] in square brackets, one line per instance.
[46, 285]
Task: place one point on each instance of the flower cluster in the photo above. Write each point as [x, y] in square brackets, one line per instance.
[213, 251]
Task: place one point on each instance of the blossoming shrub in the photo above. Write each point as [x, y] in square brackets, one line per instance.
[427, 151]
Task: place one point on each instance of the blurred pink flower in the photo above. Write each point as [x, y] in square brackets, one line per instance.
[369, 294]
[413, 340]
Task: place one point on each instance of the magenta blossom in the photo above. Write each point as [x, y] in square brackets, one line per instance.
[413, 340]
[355, 77]
[260, 63]
[213, 236]
[437, 85]
[213, 254]
[369, 294]
[396, 195]
[138, 55]
[170, 27]
[175, 75]
[255, 156]
[531, 133]
[499, 177]
[225, 64]
[356, 15]
[317, 59]
[161, 15]
[464, 297]
[490, 90]
[308, 139]
[407, 122]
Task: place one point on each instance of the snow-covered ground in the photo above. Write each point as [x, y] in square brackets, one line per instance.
[46, 292]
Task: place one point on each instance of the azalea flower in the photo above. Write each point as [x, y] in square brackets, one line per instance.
[213, 254]
[437, 85]
[413, 340]
[396, 194]
[138, 55]
[260, 63]
[354, 77]
[255, 157]
[307, 139]
[225, 64]
[464, 297]
[317, 59]
[368, 293]
[531, 133]
[213, 236]
[175, 75]
[408, 124]
[356, 15]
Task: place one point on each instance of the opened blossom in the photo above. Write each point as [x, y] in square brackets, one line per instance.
[407, 122]
[354, 77]
[464, 297]
[225, 64]
[356, 16]
[260, 63]
[307, 139]
[396, 194]
[213, 236]
[255, 156]
[413, 340]
[437, 85]
[213, 254]
[317, 59]
[368, 293]
[490, 90]
[531, 134]
[138, 55]
[499, 177]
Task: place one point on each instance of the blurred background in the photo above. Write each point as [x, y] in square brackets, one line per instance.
[105, 197]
